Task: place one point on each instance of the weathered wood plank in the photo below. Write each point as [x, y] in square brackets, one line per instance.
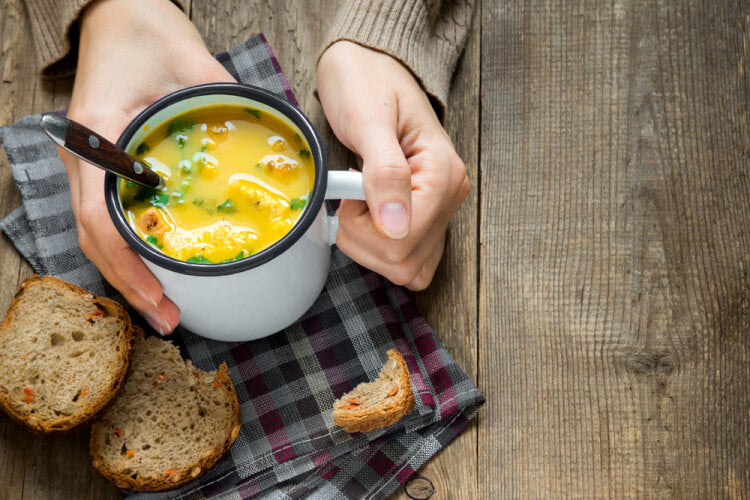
[33, 466]
[450, 303]
[614, 225]
[10, 261]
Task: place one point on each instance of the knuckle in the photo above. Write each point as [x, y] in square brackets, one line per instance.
[464, 188]
[391, 168]
[403, 275]
[423, 279]
[461, 179]
[459, 167]
[419, 283]
[396, 253]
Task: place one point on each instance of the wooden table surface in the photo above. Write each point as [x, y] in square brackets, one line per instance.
[596, 281]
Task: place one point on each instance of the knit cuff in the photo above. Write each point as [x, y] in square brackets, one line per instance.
[54, 26]
[424, 37]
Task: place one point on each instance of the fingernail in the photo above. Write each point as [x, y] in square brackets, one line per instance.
[144, 296]
[394, 219]
[157, 322]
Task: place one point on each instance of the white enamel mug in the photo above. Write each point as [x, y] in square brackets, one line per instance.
[266, 292]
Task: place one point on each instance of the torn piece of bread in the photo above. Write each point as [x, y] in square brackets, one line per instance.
[64, 353]
[169, 424]
[377, 404]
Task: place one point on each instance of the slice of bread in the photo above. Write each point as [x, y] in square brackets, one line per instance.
[380, 403]
[63, 354]
[168, 425]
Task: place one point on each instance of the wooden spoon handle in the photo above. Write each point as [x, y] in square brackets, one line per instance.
[95, 149]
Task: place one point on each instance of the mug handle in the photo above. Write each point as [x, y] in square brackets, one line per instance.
[342, 184]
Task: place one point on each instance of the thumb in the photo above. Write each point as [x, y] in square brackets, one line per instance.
[387, 181]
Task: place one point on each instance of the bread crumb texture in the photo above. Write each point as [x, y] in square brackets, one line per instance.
[377, 404]
[64, 353]
[169, 424]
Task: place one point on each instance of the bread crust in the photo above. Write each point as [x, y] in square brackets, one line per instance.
[182, 476]
[69, 423]
[365, 420]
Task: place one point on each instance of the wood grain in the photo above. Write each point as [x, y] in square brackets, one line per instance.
[613, 296]
[596, 280]
[450, 302]
[33, 466]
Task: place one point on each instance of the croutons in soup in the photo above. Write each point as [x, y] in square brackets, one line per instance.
[236, 179]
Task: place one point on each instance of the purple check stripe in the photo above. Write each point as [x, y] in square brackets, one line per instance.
[276, 66]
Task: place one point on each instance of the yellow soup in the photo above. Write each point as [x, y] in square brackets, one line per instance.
[236, 179]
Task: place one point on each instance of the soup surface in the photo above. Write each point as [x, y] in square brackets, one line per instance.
[236, 179]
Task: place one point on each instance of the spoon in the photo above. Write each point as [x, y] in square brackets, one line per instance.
[95, 149]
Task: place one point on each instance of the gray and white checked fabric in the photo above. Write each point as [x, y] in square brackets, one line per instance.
[288, 446]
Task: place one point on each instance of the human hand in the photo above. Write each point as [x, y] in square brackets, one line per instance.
[414, 181]
[131, 53]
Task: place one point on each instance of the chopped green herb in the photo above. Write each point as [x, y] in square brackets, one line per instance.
[125, 205]
[203, 148]
[297, 203]
[185, 187]
[131, 184]
[185, 166]
[179, 126]
[159, 200]
[258, 165]
[239, 256]
[154, 241]
[199, 259]
[181, 140]
[142, 148]
[304, 153]
[144, 193]
[198, 202]
[254, 112]
[296, 136]
[227, 207]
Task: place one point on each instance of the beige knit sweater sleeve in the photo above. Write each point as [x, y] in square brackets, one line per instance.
[53, 24]
[427, 36]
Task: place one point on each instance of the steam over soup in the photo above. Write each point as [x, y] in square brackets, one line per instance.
[236, 179]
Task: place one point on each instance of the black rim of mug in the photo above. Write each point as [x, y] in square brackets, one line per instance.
[256, 94]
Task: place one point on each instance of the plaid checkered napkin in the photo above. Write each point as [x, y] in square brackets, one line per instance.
[286, 383]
